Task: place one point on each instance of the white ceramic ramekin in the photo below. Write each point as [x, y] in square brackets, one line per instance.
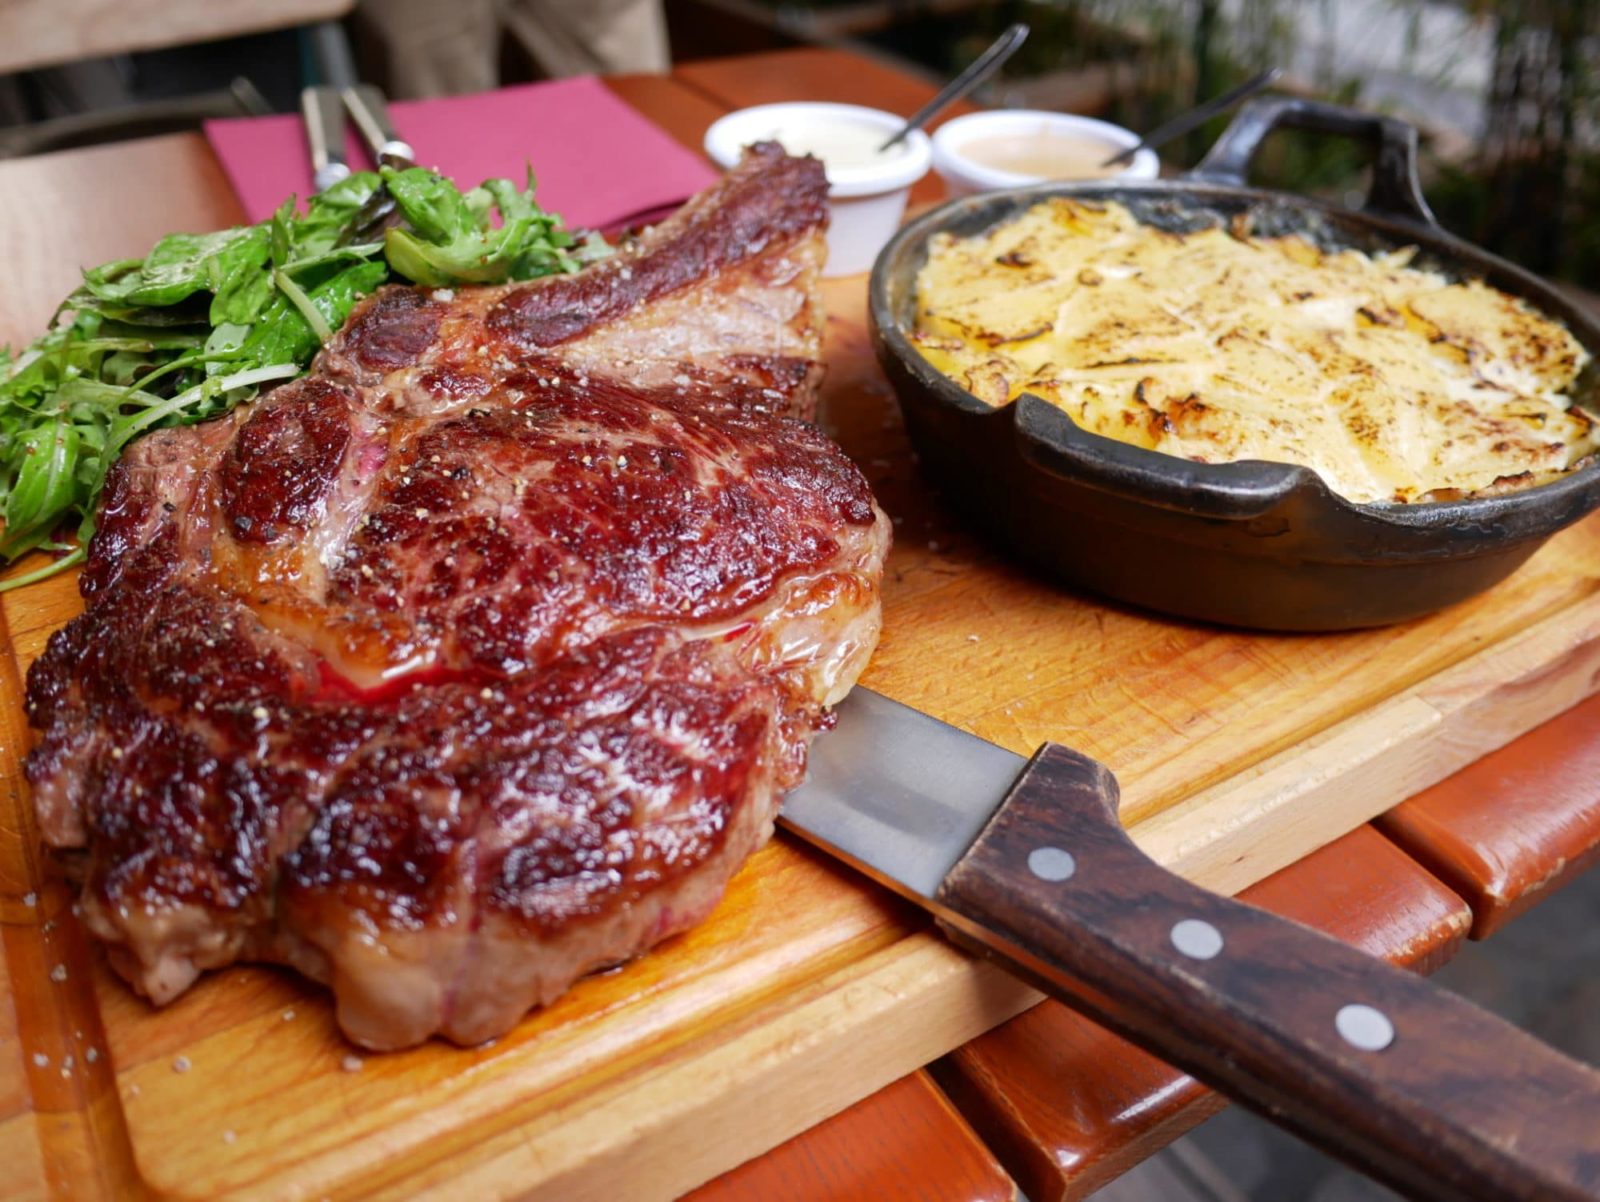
[962, 176]
[865, 203]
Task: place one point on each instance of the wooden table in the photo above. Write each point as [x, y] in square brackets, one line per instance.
[1047, 1101]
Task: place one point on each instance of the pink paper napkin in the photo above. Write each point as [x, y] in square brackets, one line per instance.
[595, 158]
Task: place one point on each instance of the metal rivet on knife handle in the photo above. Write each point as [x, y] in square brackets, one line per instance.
[1364, 1027]
[1051, 863]
[1196, 938]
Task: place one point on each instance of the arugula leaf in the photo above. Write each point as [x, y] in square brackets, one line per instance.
[284, 335]
[331, 214]
[452, 239]
[436, 211]
[204, 322]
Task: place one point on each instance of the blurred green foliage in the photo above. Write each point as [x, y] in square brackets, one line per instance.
[1529, 189]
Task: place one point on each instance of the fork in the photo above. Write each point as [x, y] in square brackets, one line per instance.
[370, 112]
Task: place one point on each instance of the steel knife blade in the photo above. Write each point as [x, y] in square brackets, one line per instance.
[1026, 862]
[898, 794]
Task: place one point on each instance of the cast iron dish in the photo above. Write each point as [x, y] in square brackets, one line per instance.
[1251, 543]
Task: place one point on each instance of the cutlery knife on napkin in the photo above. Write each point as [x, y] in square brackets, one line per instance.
[323, 114]
[1025, 862]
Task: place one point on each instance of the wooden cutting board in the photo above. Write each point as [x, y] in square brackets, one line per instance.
[807, 989]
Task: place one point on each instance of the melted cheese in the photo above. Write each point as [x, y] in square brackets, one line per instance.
[1393, 383]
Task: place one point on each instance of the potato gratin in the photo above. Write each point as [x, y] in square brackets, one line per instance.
[1393, 383]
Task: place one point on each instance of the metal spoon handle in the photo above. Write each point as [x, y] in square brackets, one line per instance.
[985, 65]
[1195, 117]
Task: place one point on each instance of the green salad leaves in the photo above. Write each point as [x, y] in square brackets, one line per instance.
[205, 321]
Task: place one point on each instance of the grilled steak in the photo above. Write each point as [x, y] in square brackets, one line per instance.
[480, 657]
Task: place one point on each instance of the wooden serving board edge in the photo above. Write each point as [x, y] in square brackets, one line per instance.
[712, 1107]
[1247, 827]
[716, 1103]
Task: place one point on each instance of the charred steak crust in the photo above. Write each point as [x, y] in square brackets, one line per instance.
[470, 663]
[722, 295]
[774, 205]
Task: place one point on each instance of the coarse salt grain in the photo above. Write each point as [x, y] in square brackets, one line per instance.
[228, 1137]
[58, 973]
[181, 1064]
[288, 1016]
[30, 900]
[40, 1060]
[352, 1064]
[444, 294]
[260, 713]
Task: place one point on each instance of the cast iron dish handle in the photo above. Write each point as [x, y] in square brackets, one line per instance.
[1439, 1098]
[1395, 191]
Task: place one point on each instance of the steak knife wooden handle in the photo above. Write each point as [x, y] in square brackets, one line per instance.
[1422, 1089]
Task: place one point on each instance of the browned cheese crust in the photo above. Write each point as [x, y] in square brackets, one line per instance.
[1391, 382]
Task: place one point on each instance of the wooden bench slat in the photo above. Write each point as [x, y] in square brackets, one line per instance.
[905, 1143]
[1507, 831]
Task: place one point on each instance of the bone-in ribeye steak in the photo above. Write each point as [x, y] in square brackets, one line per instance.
[480, 657]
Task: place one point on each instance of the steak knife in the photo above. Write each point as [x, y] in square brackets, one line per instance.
[324, 121]
[1025, 862]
